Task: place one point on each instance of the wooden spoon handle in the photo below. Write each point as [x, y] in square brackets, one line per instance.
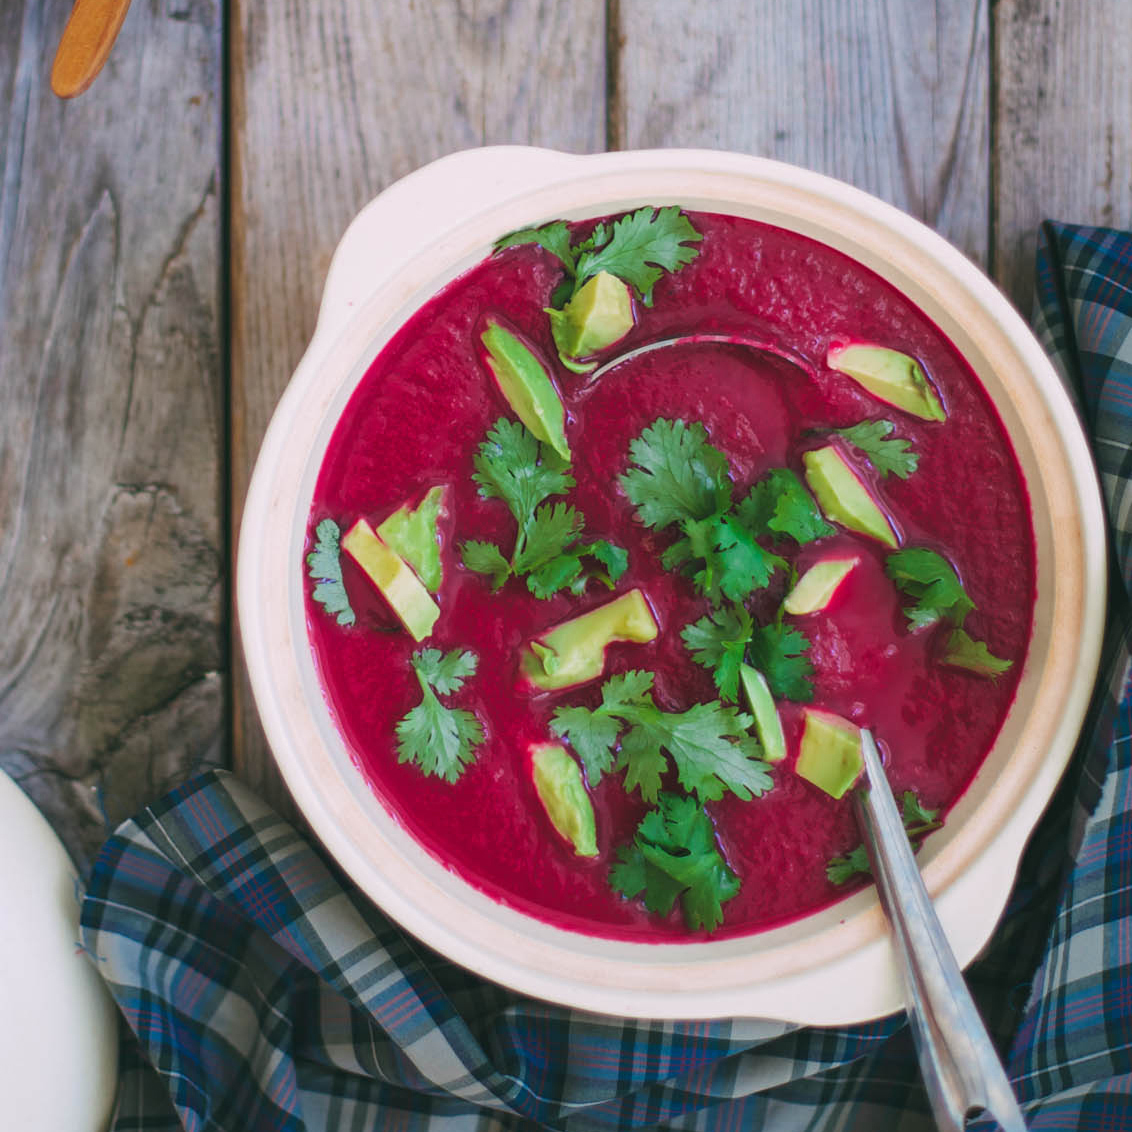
[90, 33]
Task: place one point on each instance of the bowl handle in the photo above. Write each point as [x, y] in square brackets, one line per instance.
[394, 225]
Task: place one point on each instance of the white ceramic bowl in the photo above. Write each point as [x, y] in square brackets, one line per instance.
[831, 967]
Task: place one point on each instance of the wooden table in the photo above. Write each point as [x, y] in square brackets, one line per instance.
[164, 239]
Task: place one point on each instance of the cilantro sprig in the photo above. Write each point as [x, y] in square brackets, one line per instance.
[718, 642]
[677, 479]
[725, 638]
[932, 582]
[963, 651]
[674, 856]
[324, 566]
[513, 466]
[779, 653]
[439, 739]
[638, 248]
[918, 822]
[709, 744]
[678, 476]
[888, 456]
[779, 506]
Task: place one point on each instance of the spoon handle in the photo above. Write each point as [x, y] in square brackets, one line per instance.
[85, 44]
[962, 1072]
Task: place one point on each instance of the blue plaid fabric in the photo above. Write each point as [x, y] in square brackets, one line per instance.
[263, 992]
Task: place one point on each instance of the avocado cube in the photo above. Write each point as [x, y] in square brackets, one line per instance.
[890, 376]
[574, 652]
[814, 590]
[830, 755]
[523, 380]
[392, 576]
[559, 785]
[843, 496]
[414, 535]
[600, 314]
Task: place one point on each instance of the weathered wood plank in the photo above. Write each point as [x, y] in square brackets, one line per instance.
[333, 100]
[1063, 125]
[111, 411]
[890, 96]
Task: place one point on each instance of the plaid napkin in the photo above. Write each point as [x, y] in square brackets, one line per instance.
[263, 992]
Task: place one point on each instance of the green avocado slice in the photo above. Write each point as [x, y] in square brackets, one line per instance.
[814, 590]
[768, 726]
[889, 376]
[393, 577]
[523, 380]
[559, 785]
[844, 497]
[574, 651]
[414, 535]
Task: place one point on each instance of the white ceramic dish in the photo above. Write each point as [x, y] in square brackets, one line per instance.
[58, 1024]
[834, 966]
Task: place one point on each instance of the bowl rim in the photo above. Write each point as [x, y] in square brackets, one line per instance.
[840, 969]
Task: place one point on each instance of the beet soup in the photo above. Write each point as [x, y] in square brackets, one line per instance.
[699, 478]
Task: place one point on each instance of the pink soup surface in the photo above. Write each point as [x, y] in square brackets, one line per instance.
[416, 421]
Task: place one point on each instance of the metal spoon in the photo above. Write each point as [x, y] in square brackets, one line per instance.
[762, 345]
[961, 1069]
[962, 1072]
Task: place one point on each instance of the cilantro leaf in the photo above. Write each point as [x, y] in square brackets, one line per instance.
[440, 740]
[741, 564]
[777, 652]
[554, 237]
[963, 651]
[445, 672]
[566, 570]
[779, 504]
[549, 552]
[615, 559]
[722, 558]
[511, 465]
[630, 687]
[915, 815]
[560, 573]
[931, 580]
[842, 869]
[679, 475]
[674, 855]
[889, 457]
[486, 558]
[544, 535]
[633, 876]
[640, 248]
[709, 743]
[593, 732]
[324, 566]
[718, 642]
[918, 822]
[642, 759]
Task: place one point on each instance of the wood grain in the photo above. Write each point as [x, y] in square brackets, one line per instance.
[890, 96]
[331, 101]
[1063, 125]
[111, 561]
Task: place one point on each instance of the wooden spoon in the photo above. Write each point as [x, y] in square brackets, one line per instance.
[90, 33]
